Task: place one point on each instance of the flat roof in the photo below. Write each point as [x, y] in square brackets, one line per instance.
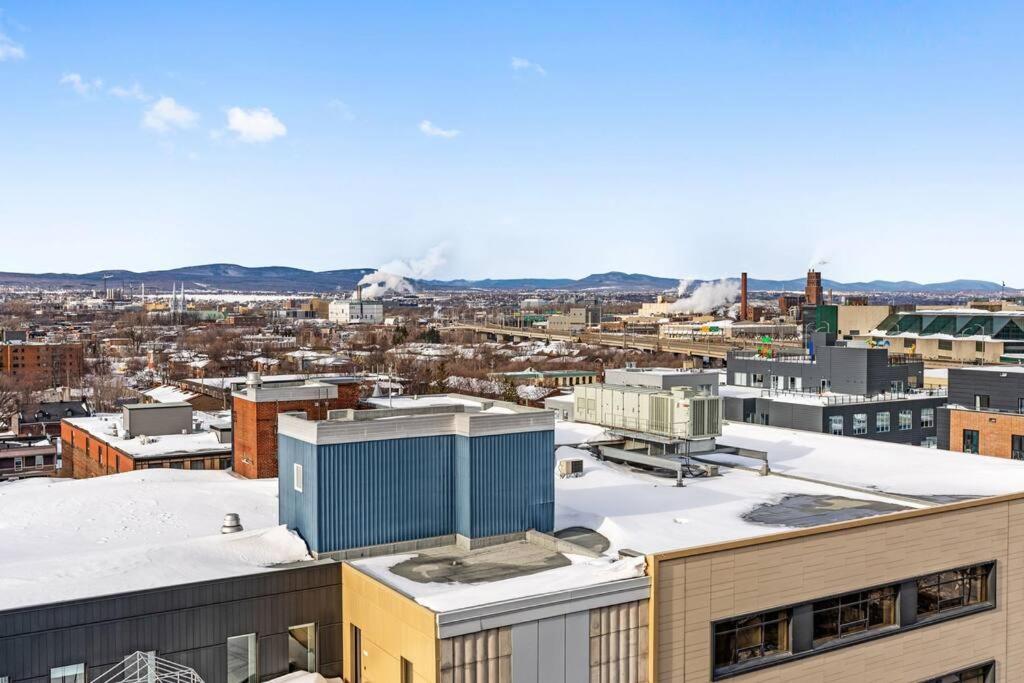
[815, 479]
[109, 428]
[65, 539]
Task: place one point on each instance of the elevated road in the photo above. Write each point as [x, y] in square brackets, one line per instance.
[639, 342]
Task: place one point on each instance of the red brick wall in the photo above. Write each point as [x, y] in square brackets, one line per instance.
[86, 456]
[995, 430]
[255, 428]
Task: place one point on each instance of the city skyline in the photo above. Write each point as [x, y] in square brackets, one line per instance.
[531, 142]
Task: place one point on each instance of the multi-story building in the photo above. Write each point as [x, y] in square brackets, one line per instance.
[44, 418]
[985, 412]
[255, 407]
[578, 319]
[43, 363]
[965, 335]
[848, 390]
[783, 556]
[350, 311]
[145, 436]
[548, 378]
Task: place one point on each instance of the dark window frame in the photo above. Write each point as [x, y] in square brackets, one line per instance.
[988, 671]
[801, 622]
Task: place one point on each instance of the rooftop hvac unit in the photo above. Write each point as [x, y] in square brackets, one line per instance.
[570, 467]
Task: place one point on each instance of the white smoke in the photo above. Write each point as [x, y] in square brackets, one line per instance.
[391, 277]
[707, 297]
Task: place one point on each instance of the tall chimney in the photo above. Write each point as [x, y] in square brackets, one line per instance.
[743, 296]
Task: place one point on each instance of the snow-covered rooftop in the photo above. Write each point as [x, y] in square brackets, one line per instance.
[109, 428]
[169, 394]
[67, 539]
[647, 513]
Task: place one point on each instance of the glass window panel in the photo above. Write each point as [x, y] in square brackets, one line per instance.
[302, 648]
[72, 673]
[242, 659]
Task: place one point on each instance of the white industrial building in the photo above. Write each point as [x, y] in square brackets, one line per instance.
[356, 311]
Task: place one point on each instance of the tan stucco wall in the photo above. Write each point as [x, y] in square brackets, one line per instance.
[393, 626]
[860, 319]
[691, 592]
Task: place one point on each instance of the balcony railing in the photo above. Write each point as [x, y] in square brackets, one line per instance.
[845, 399]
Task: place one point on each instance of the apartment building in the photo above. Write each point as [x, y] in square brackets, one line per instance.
[985, 412]
[43, 363]
[844, 390]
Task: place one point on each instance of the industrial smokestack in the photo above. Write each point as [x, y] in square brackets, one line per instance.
[743, 296]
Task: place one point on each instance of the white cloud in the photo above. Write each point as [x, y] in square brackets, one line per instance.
[166, 115]
[433, 131]
[255, 125]
[9, 50]
[133, 93]
[521, 64]
[343, 109]
[80, 85]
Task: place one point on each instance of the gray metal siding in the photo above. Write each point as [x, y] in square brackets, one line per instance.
[376, 492]
[188, 624]
[913, 436]
[298, 510]
[553, 650]
[1003, 392]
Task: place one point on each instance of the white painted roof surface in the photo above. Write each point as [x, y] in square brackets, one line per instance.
[66, 539]
[888, 467]
[108, 428]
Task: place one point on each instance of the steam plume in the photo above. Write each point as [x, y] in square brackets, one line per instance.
[708, 297]
[391, 277]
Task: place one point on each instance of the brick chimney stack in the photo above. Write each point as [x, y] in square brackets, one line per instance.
[743, 296]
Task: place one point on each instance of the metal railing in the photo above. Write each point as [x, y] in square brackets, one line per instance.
[846, 399]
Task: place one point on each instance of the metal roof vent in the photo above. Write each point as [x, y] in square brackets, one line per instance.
[253, 379]
[232, 524]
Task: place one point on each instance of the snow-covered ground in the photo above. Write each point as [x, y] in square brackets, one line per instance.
[65, 539]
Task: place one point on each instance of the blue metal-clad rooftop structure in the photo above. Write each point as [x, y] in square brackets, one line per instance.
[377, 477]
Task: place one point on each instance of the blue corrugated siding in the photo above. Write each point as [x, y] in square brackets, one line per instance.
[297, 510]
[511, 485]
[377, 492]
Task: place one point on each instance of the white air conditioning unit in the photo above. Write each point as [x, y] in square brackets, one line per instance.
[570, 467]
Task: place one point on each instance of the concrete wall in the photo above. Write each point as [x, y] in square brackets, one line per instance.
[638, 378]
[857, 320]
[696, 588]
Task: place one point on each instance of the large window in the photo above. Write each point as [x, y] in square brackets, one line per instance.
[970, 441]
[297, 477]
[407, 673]
[981, 401]
[906, 420]
[835, 425]
[927, 418]
[974, 674]
[945, 345]
[814, 627]
[740, 379]
[750, 638]
[949, 590]
[1017, 447]
[883, 422]
[73, 673]
[860, 423]
[302, 648]
[242, 659]
[854, 613]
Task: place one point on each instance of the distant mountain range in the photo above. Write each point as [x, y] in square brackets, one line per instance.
[226, 276]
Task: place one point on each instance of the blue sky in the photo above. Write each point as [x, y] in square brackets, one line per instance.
[678, 139]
